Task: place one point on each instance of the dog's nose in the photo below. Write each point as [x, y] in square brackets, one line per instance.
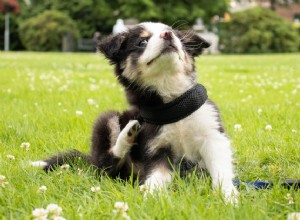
[167, 35]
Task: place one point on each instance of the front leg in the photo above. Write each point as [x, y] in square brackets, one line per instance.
[126, 139]
[111, 145]
[217, 157]
[158, 171]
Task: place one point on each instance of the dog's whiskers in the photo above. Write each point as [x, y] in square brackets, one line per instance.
[184, 22]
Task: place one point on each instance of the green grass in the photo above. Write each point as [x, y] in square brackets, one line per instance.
[41, 92]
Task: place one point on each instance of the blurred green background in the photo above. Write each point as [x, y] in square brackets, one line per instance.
[241, 26]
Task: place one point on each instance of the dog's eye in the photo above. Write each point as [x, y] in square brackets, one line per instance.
[143, 43]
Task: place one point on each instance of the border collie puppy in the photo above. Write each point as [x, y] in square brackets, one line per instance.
[171, 122]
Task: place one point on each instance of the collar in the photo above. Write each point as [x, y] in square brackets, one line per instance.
[177, 109]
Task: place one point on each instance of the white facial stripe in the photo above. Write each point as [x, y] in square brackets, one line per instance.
[154, 46]
[178, 44]
[152, 51]
[155, 43]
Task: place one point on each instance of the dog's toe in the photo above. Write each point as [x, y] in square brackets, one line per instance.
[133, 128]
[231, 197]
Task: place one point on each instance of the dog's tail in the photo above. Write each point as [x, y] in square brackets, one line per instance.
[70, 158]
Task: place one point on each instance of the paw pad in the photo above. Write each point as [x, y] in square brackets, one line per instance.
[135, 128]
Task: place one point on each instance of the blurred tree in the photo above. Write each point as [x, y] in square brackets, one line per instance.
[45, 31]
[101, 15]
[275, 3]
[90, 15]
[169, 11]
[258, 30]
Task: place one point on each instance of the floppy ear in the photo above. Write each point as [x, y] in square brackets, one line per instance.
[194, 44]
[110, 47]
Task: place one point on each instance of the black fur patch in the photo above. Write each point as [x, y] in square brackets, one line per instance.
[221, 128]
[118, 48]
[193, 43]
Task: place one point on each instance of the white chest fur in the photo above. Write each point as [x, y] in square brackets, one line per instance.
[197, 138]
[188, 136]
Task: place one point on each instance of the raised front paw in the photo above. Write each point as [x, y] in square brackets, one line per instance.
[126, 139]
[132, 129]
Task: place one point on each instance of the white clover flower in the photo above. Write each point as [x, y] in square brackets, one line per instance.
[59, 104]
[294, 130]
[11, 157]
[54, 210]
[293, 216]
[269, 127]
[259, 111]
[95, 188]
[3, 183]
[40, 213]
[290, 198]
[238, 127]
[25, 146]
[65, 166]
[121, 207]
[94, 87]
[79, 113]
[91, 101]
[42, 189]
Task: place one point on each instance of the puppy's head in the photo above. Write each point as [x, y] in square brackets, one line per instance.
[152, 50]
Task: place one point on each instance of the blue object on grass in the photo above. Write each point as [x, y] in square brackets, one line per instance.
[295, 184]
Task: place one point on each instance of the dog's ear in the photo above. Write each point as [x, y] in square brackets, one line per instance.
[194, 44]
[110, 47]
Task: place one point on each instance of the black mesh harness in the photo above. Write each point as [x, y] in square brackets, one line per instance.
[177, 109]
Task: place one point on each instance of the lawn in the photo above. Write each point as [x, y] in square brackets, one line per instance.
[50, 100]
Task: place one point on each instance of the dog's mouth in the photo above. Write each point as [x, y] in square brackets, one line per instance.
[167, 49]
